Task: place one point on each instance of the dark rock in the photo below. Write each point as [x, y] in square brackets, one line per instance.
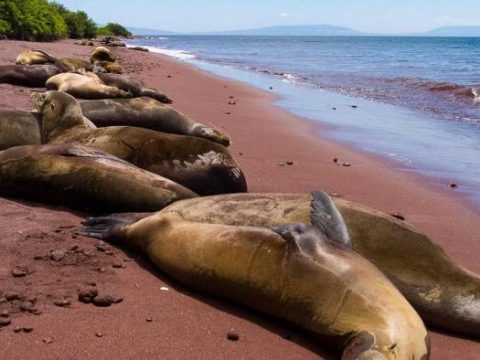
[233, 336]
[335, 160]
[98, 334]
[11, 296]
[101, 270]
[101, 248]
[452, 185]
[103, 300]
[17, 329]
[5, 322]
[27, 329]
[74, 248]
[334, 108]
[354, 106]
[289, 162]
[26, 306]
[4, 314]
[149, 319]
[118, 265]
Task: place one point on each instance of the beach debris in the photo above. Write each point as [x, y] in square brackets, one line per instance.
[398, 216]
[164, 288]
[62, 302]
[5, 322]
[18, 272]
[232, 335]
[57, 255]
[346, 164]
[452, 185]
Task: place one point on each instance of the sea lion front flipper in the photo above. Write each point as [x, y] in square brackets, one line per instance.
[105, 227]
[328, 220]
[360, 346]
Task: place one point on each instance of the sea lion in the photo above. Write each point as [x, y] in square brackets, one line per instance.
[19, 128]
[101, 54]
[84, 179]
[72, 64]
[34, 57]
[136, 87]
[147, 113]
[201, 165]
[446, 295]
[27, 75]
[107, 67]
[295, 272]
[84, 85]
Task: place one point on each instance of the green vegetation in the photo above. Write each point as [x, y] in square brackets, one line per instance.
[114, 29]
[43, 20]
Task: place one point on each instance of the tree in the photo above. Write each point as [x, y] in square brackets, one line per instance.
[114, 29]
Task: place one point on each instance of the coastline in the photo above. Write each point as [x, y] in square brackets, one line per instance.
[266, 136]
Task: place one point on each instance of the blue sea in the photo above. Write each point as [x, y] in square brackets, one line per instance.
[412, 99]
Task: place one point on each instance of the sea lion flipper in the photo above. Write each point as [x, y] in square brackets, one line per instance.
[104, 227]
[326, 218]
[360, 345]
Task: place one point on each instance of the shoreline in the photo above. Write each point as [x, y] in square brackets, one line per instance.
[265, 135]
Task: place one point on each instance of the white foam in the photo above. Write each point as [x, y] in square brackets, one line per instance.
[476, 94]
[289, 78]
[177, 54]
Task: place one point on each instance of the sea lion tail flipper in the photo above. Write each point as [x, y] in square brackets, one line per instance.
[156, 95]
[326, 218]
[104, 227]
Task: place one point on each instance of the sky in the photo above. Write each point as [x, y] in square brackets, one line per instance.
[377, 16]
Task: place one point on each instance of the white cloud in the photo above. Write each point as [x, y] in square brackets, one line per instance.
[286, 14]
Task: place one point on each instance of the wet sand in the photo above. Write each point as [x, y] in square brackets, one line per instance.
[186, 325]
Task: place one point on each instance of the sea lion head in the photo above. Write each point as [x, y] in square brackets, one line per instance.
[101, 54]
[59, 112]
[210, 133]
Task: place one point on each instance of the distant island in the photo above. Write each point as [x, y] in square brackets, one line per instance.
[316, 30]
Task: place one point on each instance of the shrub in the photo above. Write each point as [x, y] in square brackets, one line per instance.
[114, 29]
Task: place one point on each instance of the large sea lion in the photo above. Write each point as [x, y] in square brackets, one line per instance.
[147, 113]
[83, 179]
[72, 64]
[101, 54]
[27, 75]
[446, 295]
[134, 86]
[296, 272]
[86, 86]
[19, 128]
[201, 165]
[34, 57]
[104, 61]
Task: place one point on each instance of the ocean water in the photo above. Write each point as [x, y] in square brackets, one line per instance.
[416, 100]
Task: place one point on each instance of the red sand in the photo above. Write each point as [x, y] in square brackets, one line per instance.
[187, 325]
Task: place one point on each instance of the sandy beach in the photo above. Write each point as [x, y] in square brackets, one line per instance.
[184, 324]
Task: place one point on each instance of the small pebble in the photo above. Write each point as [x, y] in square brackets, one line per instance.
[109, 253]
[233, 336]
[354, 106]
[57, 255]
[164, 288]
[346, 164]
[334, 108]
[398, 216]
[86, 295]
[4, 314]
[118, 265]
[270, 87]
[27, 329]
[18, 273]
[62, 302]
[228, 113]
[12, 296]
[74, 248]
[47, 340]
[17, 329]
[26, 306]
[98, 334]
[452, 186]
[101, 248]
[334, 194]
[289, 162]
[101, 270]
[149, 319]
[281, 164]
[335, 160]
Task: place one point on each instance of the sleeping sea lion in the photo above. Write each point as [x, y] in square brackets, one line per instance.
[446, 295]
[201, 165]
[101, 54]
[295, 272]
[107, 67]
[72, 64]
[86, 86]
[83, 179]
[147, 113]
[19, 128]
[27, 75]
[134, 86]
[34, 57]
